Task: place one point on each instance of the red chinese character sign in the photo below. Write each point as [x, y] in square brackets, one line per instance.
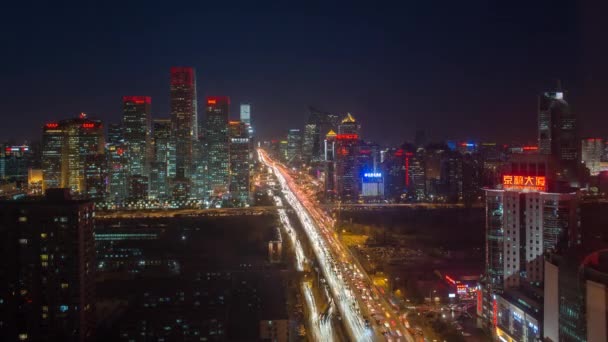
[524, 183]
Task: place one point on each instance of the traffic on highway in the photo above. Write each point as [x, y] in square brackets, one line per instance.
[364, 311]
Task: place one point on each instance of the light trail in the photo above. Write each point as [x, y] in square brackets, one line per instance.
[344, 298]
[321, 327]
[293, 237]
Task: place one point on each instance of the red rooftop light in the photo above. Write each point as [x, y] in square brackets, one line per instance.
[137, 99]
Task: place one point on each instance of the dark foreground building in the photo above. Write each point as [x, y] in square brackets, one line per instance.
[47, 269]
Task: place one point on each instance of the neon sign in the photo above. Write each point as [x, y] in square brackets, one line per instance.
[347, 137]
[526, 183]
[211, 101]
[88, 125]
[372, 175]
[52, 125]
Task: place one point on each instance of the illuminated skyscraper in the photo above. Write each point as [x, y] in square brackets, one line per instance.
[239, 161]
[592, 150]
[523, 222]
[245, 114]
[318, 124]
[347, 178]
[183, 117]
[115, 134]
[52, 153]
[558, 135]
[136, 132]
[95, 176]
[117, 172]
[73, 140]
[161, 138]
[217, 145]
[330, 164]
[294, 146]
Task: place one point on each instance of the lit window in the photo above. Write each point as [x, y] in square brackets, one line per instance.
[45, 264]
[23, 219]
[44, 257]
[63, 308]
[43, 235]
[64, 285]
[23, 241]
[22, 337]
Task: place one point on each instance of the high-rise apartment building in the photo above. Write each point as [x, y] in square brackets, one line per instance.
[66, 145]
[330, 164]
[184, 121]
[239, 161]
[48, 260]
[217, 145]
[136, 123]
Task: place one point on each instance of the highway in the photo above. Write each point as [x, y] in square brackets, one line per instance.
[365, 313]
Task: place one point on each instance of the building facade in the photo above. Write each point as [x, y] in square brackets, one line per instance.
[184, 120]
[137, 130]
[48, 254]
[217, 145]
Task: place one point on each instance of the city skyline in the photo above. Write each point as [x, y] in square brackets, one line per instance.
[394, 73]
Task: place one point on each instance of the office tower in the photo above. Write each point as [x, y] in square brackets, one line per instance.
[164, 147]
[393, 168]
[73, 140]
[523, 224]
[592, 150]
[161, 138]
[283, 150]
[415, 175]
[15, 160]
[330, 166]
[118, 172]
[217, 145]
[245, 114]
[347, 176]
[163, 166]
[136, 124]
[450, 187]
[239, 161]
[48, 259]
[115, 133]
[138, 187]
[184, 122]
[95, 176]
[558, 135]
[52, 152]
[472, 171]
[294, 146]
[158, 181]
[575, 296]
[318, 124]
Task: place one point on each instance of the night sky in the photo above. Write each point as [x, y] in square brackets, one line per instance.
[457, 69]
